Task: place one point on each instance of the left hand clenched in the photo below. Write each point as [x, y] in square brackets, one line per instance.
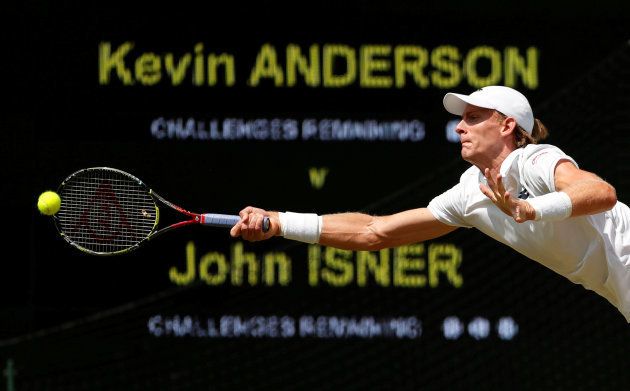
[519, 210]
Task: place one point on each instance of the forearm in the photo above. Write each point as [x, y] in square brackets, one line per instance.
[590, 196]
[357, 231]
[349, 231]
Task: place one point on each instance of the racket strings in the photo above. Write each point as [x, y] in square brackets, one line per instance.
[106, 211]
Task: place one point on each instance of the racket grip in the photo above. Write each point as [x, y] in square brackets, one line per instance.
[227, 221]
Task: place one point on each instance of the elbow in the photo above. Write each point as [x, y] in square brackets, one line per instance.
[610, 197]
[604, 199]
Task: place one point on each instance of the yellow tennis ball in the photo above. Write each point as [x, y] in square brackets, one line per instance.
[49, 203]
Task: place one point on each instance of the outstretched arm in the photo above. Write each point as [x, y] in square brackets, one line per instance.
[353, 231]
[356, 231]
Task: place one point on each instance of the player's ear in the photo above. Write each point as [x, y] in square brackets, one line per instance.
[509, 126]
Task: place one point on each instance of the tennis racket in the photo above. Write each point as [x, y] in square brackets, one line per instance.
[106, 211]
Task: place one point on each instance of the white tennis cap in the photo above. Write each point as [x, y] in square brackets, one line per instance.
[504, 99]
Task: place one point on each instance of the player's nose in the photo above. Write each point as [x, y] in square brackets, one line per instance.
[461, 127]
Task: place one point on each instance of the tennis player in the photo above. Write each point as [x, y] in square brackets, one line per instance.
[529, 196]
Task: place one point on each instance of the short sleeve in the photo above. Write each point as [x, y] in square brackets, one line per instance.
[539, 168]
[449, 207]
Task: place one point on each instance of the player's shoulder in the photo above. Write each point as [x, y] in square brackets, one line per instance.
[532, 150]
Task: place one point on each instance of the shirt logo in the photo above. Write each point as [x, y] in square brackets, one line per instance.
[523, 194]
[537, 156]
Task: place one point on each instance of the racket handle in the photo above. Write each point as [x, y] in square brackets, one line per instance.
[227, 221]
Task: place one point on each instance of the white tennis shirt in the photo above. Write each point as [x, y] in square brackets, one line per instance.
[593, 250]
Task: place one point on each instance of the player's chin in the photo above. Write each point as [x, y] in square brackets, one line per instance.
[466, 155]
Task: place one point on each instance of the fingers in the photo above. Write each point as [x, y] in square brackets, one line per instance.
[253, 222]
[491, 183]
[235, 231]
[250, 226]
[502, 199]
[500, 186]
[487, 192]
[495, 190]
[518, 216]
[245, 212]
[496, 185]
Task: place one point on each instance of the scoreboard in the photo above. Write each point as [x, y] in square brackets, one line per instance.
[334, 109]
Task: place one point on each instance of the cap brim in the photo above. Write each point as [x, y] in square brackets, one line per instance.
[456, 103]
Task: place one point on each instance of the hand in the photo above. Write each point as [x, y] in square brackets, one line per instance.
[250, 225]
[519, 210]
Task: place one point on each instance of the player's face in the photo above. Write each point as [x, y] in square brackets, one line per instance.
[480, 134]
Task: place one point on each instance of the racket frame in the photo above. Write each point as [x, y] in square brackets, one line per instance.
[194, 218]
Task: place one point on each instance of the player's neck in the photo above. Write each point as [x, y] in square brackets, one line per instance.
[494, 162]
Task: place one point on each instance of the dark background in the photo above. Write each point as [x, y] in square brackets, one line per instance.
[72, 321]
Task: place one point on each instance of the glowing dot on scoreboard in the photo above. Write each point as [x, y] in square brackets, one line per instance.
[452, 327]
[479, 328]
[507, 328]
[451, 131]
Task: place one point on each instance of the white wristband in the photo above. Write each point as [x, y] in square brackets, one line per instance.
[555, 206]
[303, 227]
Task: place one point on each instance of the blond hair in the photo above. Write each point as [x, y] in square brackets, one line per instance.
[522, 138]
